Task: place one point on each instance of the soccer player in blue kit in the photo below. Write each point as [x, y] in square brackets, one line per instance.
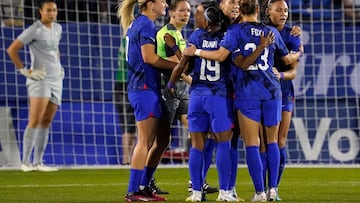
[144, 72]
[208, 107]
[257, 90]
[277, 12]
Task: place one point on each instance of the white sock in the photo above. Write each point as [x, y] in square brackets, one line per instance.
[28, 144]
[42, 137]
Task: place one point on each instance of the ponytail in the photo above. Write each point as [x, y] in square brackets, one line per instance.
[125, 13]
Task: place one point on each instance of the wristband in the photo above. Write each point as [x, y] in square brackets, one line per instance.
[175, 48]
[197, 52]
[282, 75]
[170, 85]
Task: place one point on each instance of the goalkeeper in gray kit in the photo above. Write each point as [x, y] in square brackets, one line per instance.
[44, 82]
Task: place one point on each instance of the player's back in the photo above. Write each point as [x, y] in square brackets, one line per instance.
[209, 77]
[258, 81]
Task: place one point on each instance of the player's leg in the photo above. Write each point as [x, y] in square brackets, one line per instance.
[210, 145]
[159, 145]
[42, 137]
[53, 90]
[221, 124]
[272, 117]
[37, 108]
[39, 96]
[283, 132]
[147, 129]
[161, 142]
[263, 153]
[250, 132]
[249, 116]
[195, 164]
[199, 125]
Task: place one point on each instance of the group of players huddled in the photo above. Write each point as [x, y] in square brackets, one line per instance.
[232, 71]
[239, 71]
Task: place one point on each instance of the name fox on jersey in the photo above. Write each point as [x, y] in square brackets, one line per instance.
[256, 32]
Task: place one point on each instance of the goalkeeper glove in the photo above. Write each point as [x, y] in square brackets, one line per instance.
[36, 74]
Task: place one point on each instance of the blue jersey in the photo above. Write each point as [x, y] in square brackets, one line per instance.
[141, 75]
[293, 44]
[209, 77]
[258, 81]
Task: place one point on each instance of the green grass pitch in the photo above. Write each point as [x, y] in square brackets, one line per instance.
[109, 185]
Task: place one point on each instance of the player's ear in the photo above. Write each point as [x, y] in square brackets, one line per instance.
[267, 12]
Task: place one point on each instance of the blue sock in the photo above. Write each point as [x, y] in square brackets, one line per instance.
[209, 147]
[255, 167]
[223, 164]
[263, 156]
[234, 154]
[273, 156]
[147, 176]
[282, 163]
[134, 180]
[195, 168]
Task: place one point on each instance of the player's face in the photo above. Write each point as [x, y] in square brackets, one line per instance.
[159, 7]
[278, 13]
[200, 21]
[48, 12]
[230, 8]
[181, 14]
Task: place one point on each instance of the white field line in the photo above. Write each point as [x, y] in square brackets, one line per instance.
[312, 183]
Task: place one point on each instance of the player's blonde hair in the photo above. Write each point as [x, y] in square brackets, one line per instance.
[125, 12]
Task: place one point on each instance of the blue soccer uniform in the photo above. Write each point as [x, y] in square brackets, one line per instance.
[257, 90]
[144, 81]
[208, 106]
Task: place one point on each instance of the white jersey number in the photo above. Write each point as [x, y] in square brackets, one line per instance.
[263, 57]
[213, 66]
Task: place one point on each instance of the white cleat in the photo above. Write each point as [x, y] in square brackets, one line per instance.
[43, 168]
[194, 197]
[272, 194]
[226, 196]
[27, 168]
[259, 197]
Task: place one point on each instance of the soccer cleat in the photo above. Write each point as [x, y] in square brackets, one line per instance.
[43, 168]
[208, 189]
[148, 193]
[272, 194]
[235, 195]
[259, 197]
[196, 196]
[136, 197]
[27, 168]
[156, 189]
[225, 196]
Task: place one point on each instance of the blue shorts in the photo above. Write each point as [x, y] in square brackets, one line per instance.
[287, 105]
[208, 113]
[266, 111]
[147, 103]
